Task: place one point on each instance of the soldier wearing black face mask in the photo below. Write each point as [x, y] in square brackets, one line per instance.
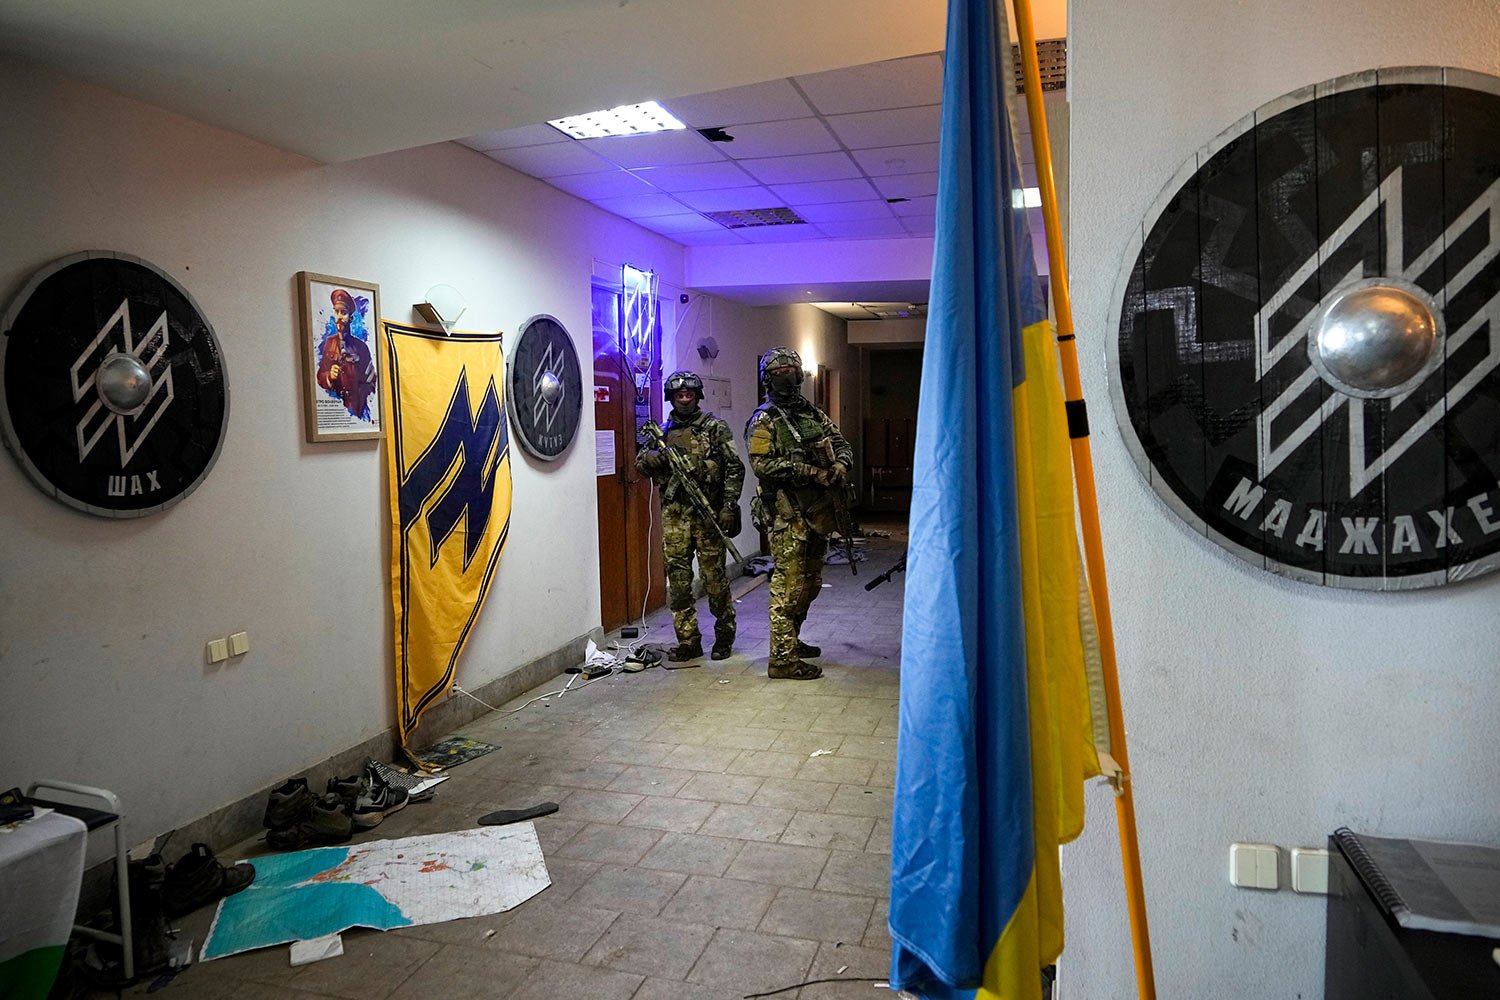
[790, 443]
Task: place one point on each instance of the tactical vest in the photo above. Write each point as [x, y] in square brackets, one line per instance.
[797, 433]
[694, 439]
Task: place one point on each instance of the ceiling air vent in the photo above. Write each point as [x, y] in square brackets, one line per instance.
[749, 218]
[1052, 60]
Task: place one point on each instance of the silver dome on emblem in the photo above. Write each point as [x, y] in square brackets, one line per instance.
[1375, 338]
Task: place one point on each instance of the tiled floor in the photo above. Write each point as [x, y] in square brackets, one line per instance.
[708, 845]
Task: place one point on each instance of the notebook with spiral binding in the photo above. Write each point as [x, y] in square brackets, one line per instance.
[1428, 884]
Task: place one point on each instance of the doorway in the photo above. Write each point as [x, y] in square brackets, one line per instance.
[632, 575]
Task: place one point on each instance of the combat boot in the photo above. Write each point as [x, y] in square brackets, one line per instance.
[808, 649]
[723, 647]
[684, 651]
[796, 670]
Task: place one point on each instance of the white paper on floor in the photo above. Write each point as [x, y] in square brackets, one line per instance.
[380, 884]
[307, 952]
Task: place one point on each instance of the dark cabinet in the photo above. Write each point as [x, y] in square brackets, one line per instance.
[1372, 957]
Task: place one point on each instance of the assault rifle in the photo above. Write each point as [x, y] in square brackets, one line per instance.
[840, 493]
[885, 577]
[682, 475]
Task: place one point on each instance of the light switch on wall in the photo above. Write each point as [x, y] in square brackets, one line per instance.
[218, 650]
[1255, 866]
[239, 644]
[1310, 870]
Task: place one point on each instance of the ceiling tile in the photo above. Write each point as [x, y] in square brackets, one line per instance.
[845, 210]
[901, 127]
[908, 185]
[920, 225]
[659, 149]
[781, 138]
[727, 199]
[510, 138]
[685, 223]
[887, 160]
[614, 183]
[772, 101]
[707, 237]
[552, 160]
[695, 176]
[780, 234]
[822, 192]
[895, 83]
[916, 206]
[800, 169]
[863, 228]
[641, 206]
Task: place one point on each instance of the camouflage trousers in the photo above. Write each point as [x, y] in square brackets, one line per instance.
[796, 581]
[684, 534]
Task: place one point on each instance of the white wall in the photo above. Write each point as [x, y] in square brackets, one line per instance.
[103, 623]
[1258, 709]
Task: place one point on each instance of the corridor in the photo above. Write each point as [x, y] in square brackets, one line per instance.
[719, 834]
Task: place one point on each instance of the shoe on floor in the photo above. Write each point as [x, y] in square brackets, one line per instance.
[376, 801]
[684, 651]
[288, 804]
[808, 649]
[348, 789]
[797, 670]
[197, 879]
[327, 822]
[722, 650]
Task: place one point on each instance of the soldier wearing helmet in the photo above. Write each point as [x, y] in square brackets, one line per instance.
[791, 443]
[707, 443]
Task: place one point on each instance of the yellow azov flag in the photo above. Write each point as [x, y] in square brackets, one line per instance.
[449, 456]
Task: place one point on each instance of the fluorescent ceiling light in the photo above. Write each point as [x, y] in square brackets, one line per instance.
[628, 119]
[1026, 198]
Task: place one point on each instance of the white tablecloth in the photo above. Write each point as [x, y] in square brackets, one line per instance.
[41, 869]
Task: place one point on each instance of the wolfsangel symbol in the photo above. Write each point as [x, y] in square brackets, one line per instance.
[1309, 333]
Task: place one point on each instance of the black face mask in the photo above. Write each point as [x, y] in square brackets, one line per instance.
[684, 411]
[783, 386]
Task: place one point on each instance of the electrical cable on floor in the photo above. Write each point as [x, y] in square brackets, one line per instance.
[879, 984]
[629, 649]
[540, 697]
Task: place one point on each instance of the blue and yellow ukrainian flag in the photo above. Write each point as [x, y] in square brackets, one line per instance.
[996, 734]
[449, 457]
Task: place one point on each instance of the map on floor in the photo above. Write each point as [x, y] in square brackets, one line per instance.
[381, 884]
[451, 752]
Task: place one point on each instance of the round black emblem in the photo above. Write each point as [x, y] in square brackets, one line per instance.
[544, 388]
[116, 401]
[1309, 332]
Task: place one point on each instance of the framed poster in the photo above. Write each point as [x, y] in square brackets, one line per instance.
[339, 342]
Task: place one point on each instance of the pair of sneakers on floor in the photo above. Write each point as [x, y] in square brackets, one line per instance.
[296, 816]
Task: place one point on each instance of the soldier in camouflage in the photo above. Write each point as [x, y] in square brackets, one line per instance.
[800, 457]
[707, 443]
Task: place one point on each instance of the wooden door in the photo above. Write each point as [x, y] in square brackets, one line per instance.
[632, 576]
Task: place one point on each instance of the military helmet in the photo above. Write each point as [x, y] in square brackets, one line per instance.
[779, 356]
[683, 380]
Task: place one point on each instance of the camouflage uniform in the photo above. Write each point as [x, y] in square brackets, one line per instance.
[708, 445]
[784, 437]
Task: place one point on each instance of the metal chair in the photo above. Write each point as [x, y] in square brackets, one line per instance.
[98, 819]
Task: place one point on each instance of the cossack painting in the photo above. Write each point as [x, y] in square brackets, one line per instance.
[342, 393]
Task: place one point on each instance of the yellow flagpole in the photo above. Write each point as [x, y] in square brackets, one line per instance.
[1088, 502]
